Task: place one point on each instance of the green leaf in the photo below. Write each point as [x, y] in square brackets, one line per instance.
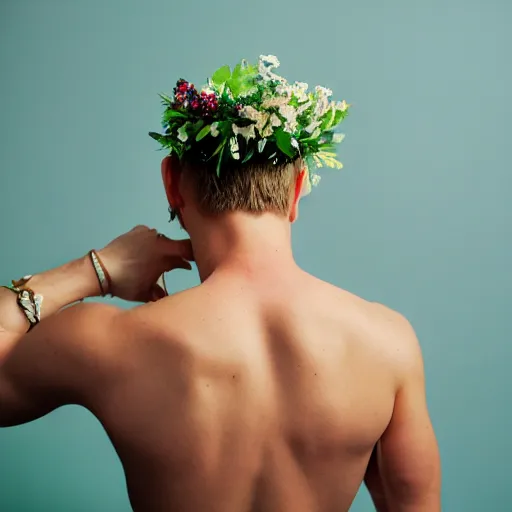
[165, 98]
[158, 137]
[248, 156]
[328, 119]
[327, 147]
[197, 125]
[284, 142]
[237, 73]
[242, 81]
[220, 147]
[203, 133]
[338, 117]
[234, 83]
[219, 162]
[326, 138]
[221, 76]
[173, 114]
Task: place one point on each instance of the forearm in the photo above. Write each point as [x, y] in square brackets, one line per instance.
[59, 287]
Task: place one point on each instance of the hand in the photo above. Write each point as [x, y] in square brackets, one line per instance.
[138, 258]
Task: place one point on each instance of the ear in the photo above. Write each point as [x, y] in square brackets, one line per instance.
[299, 185]
[171, 176]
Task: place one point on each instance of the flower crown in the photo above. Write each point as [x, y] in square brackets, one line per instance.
[252, 114]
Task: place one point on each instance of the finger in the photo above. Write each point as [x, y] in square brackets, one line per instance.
[154, 293]
[184, 249]
[140, 227]
[176, 262]
[181, 248]
[157, 292]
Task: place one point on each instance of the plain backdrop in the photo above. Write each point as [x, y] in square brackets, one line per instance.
[419, 218]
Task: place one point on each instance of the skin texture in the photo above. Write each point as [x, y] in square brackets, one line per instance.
[262, 389]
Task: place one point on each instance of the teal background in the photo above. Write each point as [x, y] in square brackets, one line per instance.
[419, 219]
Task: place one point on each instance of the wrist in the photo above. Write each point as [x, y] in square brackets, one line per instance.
[102, 274]
[66, 284]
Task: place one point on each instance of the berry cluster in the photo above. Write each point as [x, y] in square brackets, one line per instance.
[209, 102]
[186, 96]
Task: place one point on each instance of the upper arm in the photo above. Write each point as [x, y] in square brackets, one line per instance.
[63, 360]
[408, 453]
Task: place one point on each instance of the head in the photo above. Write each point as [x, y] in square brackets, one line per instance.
[195, 192]
[256, 128]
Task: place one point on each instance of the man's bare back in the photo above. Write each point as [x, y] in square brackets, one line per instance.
[238, 396]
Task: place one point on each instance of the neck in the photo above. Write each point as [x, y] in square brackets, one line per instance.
[241, 242]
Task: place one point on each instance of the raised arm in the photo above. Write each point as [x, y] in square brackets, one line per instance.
[72, 356]
[407, 454]
[64, 360]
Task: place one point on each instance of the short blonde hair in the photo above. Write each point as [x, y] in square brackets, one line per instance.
[252, 187]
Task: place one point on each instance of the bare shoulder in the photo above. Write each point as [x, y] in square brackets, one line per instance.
[385, 329]
[397, 333]
[165, 325]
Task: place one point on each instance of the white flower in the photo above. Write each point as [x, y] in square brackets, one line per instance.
[301, 85]
[284, 90]
[290, 114]
[269, 128]
[312, 126]
[235, 148]
[245, 131]
[295, 143]
[251, 113]
[299, 90]
[214, 129]
[265, 66]
[323, 91]
[269, 61]
[275, 101]
[264, 120]
[260, 118]
[338, 137]
[303, 107]
[322, 103]
[321, 107]
[315, 179]
[275, 121]
[182, 133]
[342, 105]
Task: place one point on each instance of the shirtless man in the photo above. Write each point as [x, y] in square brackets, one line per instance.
[263, 389]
